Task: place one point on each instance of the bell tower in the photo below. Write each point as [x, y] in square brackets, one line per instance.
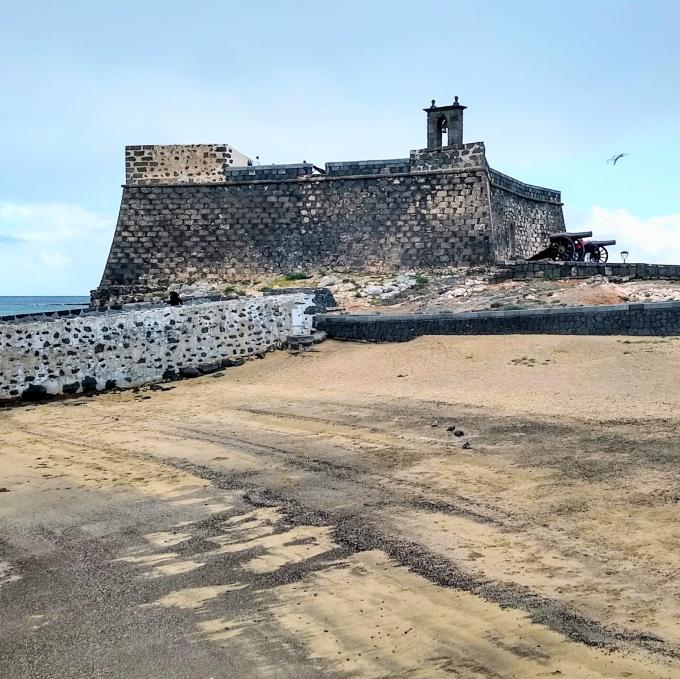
[444, 120]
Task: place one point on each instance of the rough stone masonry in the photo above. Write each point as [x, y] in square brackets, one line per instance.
[41, 355]
[203, 213]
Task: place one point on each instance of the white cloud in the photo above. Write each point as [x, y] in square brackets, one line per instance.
[652, 240]
[51, 248]
[55, 259]
[48, 222]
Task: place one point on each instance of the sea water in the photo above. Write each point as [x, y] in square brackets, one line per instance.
[34, 305]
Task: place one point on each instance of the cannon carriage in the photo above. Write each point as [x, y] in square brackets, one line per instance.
[572, 247]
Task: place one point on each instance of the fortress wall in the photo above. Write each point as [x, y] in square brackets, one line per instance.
[219, 233]
[129, 348]
[523, 216]
[440, 207]
[170, 164]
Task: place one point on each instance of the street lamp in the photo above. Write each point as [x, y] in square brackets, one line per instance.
[624, 255]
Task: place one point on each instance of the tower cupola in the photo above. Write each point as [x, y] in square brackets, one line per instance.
[444, 122]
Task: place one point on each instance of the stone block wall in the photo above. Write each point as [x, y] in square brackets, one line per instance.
[523, 216]
[553, 270]
[184, 233]
[180, 163]
[438, 208]
[98, 350]
[657, 319]
[363, 167]
[465, 157]
[268, 172]
[511, 185]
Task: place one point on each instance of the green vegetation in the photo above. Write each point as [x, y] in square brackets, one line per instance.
[285, 280]
[231, 288]
[421, 281]
[297, 276]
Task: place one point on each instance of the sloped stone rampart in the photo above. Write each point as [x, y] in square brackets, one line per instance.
[178, 234]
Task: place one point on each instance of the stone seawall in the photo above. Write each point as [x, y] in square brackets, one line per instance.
[622, 319]
[73, 354]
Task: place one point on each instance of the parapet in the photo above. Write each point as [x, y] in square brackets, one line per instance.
[539, 193]
[254, 173]
[365, 167]
[180, 163]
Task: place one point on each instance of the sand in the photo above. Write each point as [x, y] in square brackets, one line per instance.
[310, 515]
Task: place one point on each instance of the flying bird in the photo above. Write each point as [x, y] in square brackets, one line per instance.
[615, 159]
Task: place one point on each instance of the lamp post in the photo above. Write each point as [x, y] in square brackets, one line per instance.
[624, 255]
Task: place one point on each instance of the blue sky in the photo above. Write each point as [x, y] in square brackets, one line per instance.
[552, 88]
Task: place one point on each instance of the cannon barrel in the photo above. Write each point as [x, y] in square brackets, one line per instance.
[601, 243]
[572, 235]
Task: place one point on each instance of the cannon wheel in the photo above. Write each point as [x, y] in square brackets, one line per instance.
[563, 250]
[599, 254]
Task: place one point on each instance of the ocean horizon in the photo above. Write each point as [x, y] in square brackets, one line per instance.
[33, 304]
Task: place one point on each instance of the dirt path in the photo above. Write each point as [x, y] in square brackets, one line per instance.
[313, 516]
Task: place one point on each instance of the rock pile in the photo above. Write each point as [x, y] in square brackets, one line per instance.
[383, 290]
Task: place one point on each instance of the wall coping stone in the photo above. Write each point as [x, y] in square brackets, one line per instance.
[266, 168]
[109, 310]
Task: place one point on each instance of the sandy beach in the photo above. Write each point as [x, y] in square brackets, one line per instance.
[316, 515]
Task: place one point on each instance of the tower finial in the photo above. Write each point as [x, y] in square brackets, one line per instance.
[433, 103]
[455, 101]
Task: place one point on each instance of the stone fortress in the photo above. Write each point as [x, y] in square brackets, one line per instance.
[203, 212]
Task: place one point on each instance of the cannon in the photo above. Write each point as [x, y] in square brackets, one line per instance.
[593, 250]
[572, 247]
[562, 246]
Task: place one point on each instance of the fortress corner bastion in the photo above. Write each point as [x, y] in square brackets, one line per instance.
[204, 212]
